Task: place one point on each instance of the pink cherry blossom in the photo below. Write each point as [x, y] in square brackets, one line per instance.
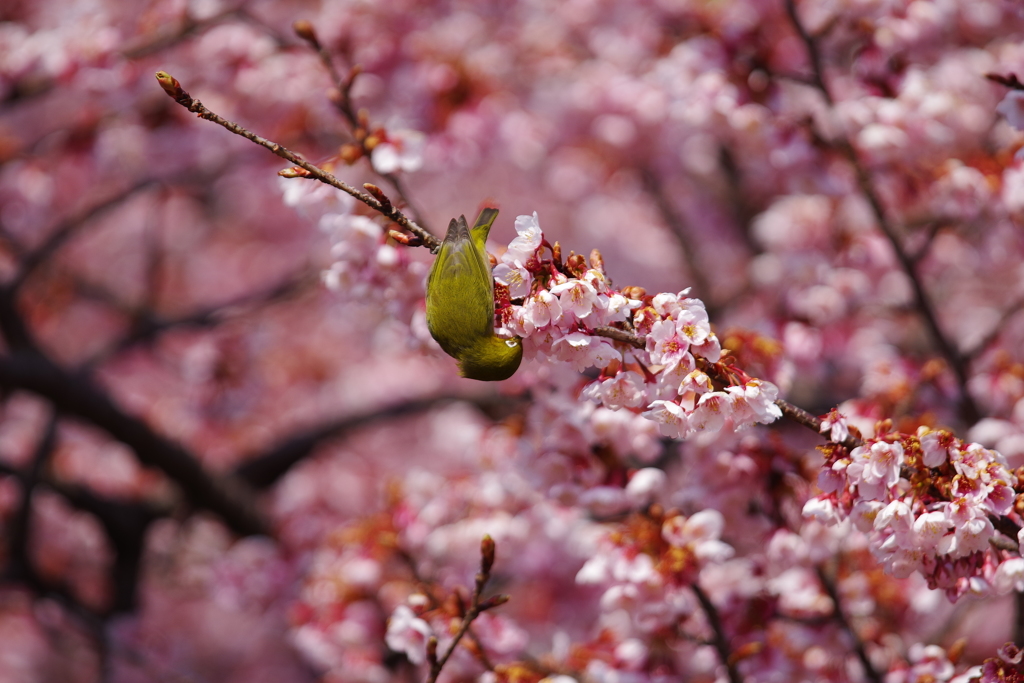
[402, 151]
[577, 297]
[408, 634]
[875, 469]
[301, 475]
[515, 277]
[667, 344]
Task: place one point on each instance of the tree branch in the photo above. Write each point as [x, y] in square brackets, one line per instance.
[174, 89]
[77, 395]
[719, 640]
[343, 103]
[21, 525]
[476, 607]
[147, 325]
[67, 229]
[264, 469]
[968, 408]
[858, 645]
[817, 78]
[677, 224]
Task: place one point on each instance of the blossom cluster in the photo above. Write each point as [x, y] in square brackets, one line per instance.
[556, 308]
[704, 143]
[647, 568]
[928, 501]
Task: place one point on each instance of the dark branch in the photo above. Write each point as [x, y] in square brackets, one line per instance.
[858, 645]
[968, 408]
[174, 89]
[21, 525]
[813, 54]
[476, 607]
[147, 325]
[718, 640]
[68, 228]
[343, 102]
[78, 396]
[798, 415]
[263, 470]
[677, 224]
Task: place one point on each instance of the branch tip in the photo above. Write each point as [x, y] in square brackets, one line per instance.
[304, 29]
[294, 172]
[486, 555]
[173, 88]
[493, 601]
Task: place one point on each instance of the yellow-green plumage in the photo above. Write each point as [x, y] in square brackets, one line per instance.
[460, 303]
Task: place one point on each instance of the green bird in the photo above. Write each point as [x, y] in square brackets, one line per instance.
[460, 303]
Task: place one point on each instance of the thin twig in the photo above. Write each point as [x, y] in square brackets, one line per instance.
[858, 645]
[173, 88]
[476, 607]
[1018, 620]
[719, 640]
[811, 45]
[738, 200]
[147, 325]
[125, 523]
[933, 228]
[677, 224]
[357, 123]
[969, 409]
[982, 344]
[186, 28]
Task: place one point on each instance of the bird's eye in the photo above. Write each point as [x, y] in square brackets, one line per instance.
[511, 343]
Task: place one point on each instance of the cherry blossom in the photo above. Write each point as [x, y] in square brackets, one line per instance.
[721, 219]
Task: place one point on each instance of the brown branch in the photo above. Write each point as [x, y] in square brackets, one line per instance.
[476, 607]
[148, 325]
[738, 200]
[719, 640]
[1018, 617]
[186, 28]
[811, 45]
[677, 224]
[21, 568]
[858, 645]
[264, 469]
[76, 395]
[933, 227]
[174, 90]
[993, 334]
[125, 523]
[343, 103]
[68, 228]
[618, 335]
[1010, 81]
[20, 533]
[968, 408]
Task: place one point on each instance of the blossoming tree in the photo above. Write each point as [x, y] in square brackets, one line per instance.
[763, 257]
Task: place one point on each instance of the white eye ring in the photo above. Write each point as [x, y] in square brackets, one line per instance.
[511, 343]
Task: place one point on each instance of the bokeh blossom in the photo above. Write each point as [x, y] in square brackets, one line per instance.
[230, 451]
